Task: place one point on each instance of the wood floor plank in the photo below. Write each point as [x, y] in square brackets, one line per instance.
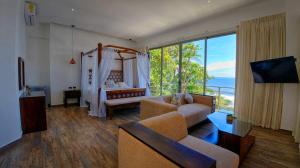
[74, 139]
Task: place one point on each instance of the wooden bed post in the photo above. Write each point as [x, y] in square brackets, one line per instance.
[81, 55]
[99, 53]
[99, 61]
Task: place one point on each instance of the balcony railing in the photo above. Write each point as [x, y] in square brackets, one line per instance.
[224, 97]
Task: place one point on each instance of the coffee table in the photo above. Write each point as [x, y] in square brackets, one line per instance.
[233, 136]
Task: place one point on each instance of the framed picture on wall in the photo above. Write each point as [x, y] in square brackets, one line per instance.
[21, 73]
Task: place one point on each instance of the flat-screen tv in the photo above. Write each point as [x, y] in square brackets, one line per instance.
[279, 70]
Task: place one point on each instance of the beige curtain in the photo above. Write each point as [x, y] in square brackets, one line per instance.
[296, 131]
[259, 39]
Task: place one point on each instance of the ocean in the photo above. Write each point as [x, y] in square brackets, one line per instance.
[222, 81]
[228, 83]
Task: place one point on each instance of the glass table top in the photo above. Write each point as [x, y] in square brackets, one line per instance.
[237, 127]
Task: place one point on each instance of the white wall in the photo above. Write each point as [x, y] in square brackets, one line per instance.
[291, 92]
[62, 74]
[228, 22]
[12, 45]
[215, 25]
[37, 60]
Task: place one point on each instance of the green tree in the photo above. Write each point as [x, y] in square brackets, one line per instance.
[192, 71]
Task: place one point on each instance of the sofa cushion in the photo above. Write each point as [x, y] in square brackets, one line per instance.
[151, 108]
[178, 99]
[135, 154]
[194, 113]
[171, 125]
[188, 98]
[157, 98]
[224, 157]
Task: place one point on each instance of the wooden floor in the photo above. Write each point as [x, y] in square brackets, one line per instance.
[74, 139]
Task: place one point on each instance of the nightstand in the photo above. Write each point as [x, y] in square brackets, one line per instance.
[71, 94]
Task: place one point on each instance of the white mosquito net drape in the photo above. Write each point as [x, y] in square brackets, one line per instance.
[89, 82]
[107, 60]
[143, 69]
[128, 72]
[84, 81]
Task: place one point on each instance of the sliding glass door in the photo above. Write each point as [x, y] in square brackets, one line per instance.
[155, 71]
[192, 67]
[221, 58]
[170, 70]
[205, 66]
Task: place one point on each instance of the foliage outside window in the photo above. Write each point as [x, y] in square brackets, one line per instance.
[184, 64]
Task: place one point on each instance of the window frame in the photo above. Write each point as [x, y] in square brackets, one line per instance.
[205, 38]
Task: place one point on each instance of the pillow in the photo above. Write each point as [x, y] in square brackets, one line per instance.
[188, 98]
[173, 100]
[122, 85]
[110, 84]
[178, 99]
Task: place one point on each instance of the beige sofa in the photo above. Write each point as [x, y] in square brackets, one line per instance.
[193, 113]
[163, 141]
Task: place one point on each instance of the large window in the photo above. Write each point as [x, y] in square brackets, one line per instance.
[155, 71]
[192, 67]
[202, 66]
[221, 56]
[170, 70]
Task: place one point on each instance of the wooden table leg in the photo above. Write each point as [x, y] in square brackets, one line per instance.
[109, 112]
[65, 102]
[236, 144]
[245, 145]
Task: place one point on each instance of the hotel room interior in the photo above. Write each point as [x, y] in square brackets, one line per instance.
[150, 83]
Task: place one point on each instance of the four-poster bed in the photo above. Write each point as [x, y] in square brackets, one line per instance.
[102, 94]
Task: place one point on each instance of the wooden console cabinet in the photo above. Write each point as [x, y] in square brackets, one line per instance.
[33, 112]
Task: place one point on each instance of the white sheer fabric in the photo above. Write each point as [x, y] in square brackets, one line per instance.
[143, 68]
[128, 72]
[93, 87]
[108, 56]
[84, 81]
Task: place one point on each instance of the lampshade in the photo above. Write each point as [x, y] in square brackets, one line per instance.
[72, 61]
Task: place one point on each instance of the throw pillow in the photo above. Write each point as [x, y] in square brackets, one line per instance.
[188, 98]
[110, 84]
[174, 100]
[180, 99]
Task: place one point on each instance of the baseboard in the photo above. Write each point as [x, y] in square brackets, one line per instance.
[11, 143]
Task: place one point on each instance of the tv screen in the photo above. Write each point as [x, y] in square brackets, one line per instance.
[280, 70]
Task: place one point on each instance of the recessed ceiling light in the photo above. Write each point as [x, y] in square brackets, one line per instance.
[208, 1]
[73, 10]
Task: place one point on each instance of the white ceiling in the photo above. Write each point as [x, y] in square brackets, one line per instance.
[136, 19]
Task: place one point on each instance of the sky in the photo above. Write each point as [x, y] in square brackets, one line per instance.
[221, 55]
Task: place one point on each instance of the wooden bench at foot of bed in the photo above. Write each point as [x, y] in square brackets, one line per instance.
[116, 104]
